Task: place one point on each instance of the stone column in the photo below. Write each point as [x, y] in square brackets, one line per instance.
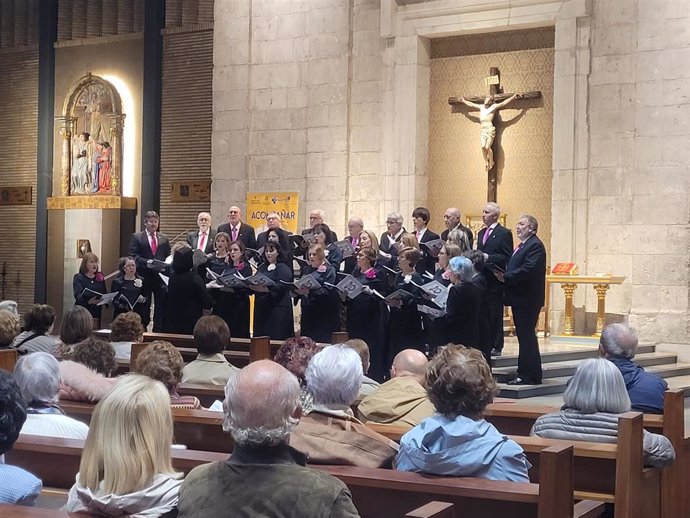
[116, 126]
[66, 131]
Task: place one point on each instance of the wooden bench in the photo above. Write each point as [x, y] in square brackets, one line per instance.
[377, 493]
[612, 473]
[8, 357]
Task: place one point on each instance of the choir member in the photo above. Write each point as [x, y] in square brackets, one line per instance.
[463, 305]
[442, 274]
[130, 286]
[89, 278]
[479, 279]
[234, 303]
[273, 306]
[368, 239]
[420, 219]
[323, 237]
[355, 226]
[320, 308]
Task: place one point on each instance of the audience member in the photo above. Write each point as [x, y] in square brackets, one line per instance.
[368, 385]
[330, 434]
[17, 486]
[264, 476]
[458, 441]
[87, 377]
[125, 330]
[295, 354]
[9, 328]
[10, 305]
[402, 400]
[162, 361]
[77, 325]
[38, 325]
[38, 378]
[593, 401]
[126, 467]
[618, 344]
[211, 336]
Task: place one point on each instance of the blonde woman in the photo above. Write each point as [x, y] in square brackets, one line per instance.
[126, 468]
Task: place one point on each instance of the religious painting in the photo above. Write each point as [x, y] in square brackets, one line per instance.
[92, 135]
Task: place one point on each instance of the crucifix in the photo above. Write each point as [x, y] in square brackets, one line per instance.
[488, 106]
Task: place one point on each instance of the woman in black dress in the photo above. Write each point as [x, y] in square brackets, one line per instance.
[130, 287]
[442, 273]
[91, 280]
[233, 304]
[463, 305]
[320, 306]
[434, 329]
[367, 313]
[187, 296]
[273, 306]
[217, 263]
[405, 322]
[322, 236]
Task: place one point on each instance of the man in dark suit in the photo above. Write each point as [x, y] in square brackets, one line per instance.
[144, 247]
[203, 238]
[420, 220]
[316, 218]
[496, 242]
[355, 226]
[393, 234]
[238, 230]
[525, 279]
[452, 220]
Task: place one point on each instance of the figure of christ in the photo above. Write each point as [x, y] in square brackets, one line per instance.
[486, 120]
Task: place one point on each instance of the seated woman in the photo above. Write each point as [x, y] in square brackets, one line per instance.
[211, 336]
[273, 306]
[130, 287]
[295, 354]
[593, 401]
[162, 361]
[17, 486]
[87, 376]
[187, 297]
[125, 330]
[76, 326]
[9, 328]
[126, 467]
[89, 285]
[457, 441]
[38, 324]
[330, 434]
[38, 378]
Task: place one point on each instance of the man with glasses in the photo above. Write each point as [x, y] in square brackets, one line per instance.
[237, 230]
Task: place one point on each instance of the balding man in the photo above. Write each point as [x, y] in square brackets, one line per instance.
[355, 226]
[403, 399]
[618, 344]
[264, 476]
[237, 230]
[203, 238]
[451, 218]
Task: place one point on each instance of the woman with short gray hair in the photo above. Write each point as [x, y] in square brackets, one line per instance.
[463, 305]
[593, 401]
[38, 377]
[330, 434]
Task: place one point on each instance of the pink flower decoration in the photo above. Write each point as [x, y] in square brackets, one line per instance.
[446, 275]
[370, 273]
[240, 266]
[321, 268]
[99, 277]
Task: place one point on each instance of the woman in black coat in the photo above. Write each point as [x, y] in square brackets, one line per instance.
[92, 280]
[187, 296]
[233, 303]
[273, 306]
[463, 305]
[367, 314]
[320, 306]
[130, 287]
[322, 236]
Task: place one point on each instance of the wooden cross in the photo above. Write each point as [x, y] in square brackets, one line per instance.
[486, 120]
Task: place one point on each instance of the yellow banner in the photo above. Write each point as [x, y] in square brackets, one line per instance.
[261, 204]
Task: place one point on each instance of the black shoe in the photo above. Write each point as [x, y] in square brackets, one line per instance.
[521, 381]
[495, 352]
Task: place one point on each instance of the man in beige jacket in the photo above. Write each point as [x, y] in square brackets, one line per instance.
[403, 399]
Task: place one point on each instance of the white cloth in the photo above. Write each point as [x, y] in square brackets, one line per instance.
[54, 425]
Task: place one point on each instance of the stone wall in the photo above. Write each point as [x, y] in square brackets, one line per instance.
[298, 91]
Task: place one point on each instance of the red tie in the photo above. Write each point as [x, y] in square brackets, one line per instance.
[202, 241]
[154, 244]
[234, 234]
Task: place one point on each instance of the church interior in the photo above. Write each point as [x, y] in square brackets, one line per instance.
[367, 110]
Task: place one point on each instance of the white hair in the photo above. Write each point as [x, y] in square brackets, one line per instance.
[10, 305]
[597, 386]
[395, 216]
[619, 340]
[334, 376]
[319, 212]
[493, 207]
[38, 377]
[260, 402]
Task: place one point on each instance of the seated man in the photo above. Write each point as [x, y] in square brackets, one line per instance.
[618, 344]
[458, 441]
[17, 486]
[263, 476]
[330, 434]
[211, 336]
[368, 385]
[402, 400]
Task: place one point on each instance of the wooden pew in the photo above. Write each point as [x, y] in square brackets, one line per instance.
[377, 493]
[20, 511]
[8, 357]
[433, 510]
[612, 473]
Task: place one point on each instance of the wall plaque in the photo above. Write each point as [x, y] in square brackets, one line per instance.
[15, 195]
[191, 191]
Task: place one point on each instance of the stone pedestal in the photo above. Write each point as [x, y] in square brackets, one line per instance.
[106, 221]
